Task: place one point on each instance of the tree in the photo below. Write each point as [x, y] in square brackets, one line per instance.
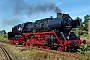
[86, 22]
[78, 31]
[80, 20]
[3, 32]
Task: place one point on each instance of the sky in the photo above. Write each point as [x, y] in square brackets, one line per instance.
[13, 12]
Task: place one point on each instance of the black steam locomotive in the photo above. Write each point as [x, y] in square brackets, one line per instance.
[49, 33]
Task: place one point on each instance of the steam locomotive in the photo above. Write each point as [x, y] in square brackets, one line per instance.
[48, 33]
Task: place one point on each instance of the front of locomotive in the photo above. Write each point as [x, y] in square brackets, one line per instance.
[16, 34]
[71, 42]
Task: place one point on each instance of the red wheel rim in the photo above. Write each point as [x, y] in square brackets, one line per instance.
[41, 47]
[48, 48]
[60, 49]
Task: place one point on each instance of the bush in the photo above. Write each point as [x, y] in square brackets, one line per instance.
[83, 49]
[6, 35]
[80, 32]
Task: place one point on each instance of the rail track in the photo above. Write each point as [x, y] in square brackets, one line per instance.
[4, 54]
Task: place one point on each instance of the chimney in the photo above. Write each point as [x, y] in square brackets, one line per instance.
[88, 25]
[59, 15]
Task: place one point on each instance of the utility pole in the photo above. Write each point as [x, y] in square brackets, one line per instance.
[88, 25]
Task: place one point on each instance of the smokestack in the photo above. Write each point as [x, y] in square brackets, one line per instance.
[88, 25]
[59, 15]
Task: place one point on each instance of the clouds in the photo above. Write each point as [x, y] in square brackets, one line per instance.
[7, 23]
[77, 0]
[79, 11]
[1, 3]
[11, 21]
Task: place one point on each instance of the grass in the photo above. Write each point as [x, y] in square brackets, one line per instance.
[29, 53]
[25, 53]
[3, 39]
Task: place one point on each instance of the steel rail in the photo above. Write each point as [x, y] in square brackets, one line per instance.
[5, 53]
